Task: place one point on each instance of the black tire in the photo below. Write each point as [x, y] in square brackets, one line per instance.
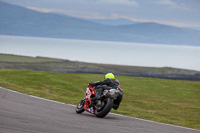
[108, 104]
[80, 106]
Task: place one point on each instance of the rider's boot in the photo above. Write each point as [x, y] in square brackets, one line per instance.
[115, 106]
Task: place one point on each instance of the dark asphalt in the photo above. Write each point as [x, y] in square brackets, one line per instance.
[20, 113]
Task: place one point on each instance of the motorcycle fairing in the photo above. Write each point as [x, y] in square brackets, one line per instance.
[89, 91]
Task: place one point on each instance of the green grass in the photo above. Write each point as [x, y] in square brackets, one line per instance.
[168, 101]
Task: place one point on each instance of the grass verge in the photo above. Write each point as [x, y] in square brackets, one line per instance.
[167, 101]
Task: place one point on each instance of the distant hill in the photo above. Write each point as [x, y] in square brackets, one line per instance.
[159, 33]
[113, 22]
[16, 20]
[193, 28]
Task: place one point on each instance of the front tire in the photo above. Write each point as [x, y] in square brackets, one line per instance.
[80, 106]
[108, 104]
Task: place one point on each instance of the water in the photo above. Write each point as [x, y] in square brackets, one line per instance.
[133, 54]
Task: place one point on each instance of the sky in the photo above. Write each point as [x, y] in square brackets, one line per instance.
[180, 13]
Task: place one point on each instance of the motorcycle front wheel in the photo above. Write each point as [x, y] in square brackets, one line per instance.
[80, 106]
[107, 105]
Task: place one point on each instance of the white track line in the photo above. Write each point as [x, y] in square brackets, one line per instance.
[109, 113]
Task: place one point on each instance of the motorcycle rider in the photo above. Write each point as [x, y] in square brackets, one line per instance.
[111, 83]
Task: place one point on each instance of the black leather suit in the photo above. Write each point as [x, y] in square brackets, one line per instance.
[110, 84]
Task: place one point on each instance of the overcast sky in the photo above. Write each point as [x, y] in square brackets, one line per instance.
[182, 13]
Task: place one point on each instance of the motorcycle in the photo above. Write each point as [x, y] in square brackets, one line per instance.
[87, 104]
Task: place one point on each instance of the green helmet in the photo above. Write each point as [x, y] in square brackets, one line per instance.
[110, 76]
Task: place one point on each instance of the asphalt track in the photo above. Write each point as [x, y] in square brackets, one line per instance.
[21, 113]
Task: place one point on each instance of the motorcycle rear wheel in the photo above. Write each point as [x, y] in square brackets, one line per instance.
[80, 106]
[108, 104]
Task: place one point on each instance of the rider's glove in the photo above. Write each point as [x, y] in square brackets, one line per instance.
[92, 83]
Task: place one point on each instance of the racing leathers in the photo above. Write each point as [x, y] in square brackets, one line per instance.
[110, 84]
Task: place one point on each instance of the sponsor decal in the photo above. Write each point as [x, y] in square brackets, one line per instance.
[91, 110]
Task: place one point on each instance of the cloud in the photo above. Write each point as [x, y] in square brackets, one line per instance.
[172, 4]
[118, 2]
[74, 13]
[166, 2]
[45, 10]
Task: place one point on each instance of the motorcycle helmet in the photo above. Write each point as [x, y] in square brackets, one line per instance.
[109, 75]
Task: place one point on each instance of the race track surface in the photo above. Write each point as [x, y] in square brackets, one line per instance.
[21, 113]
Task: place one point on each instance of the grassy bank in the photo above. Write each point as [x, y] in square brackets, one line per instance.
[168, 101]
[66, 66]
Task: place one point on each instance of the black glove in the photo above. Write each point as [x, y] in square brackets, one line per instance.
[92, 83]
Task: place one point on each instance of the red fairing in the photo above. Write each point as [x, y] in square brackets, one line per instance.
[89, 91]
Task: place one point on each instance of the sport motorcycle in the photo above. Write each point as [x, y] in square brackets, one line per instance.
[87, 104]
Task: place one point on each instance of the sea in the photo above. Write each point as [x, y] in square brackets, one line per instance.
[106, 52]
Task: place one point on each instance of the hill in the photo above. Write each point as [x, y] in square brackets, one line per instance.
[16, 20]
[113, 22]
[67, 66]
[159, 33]
[20, 21]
